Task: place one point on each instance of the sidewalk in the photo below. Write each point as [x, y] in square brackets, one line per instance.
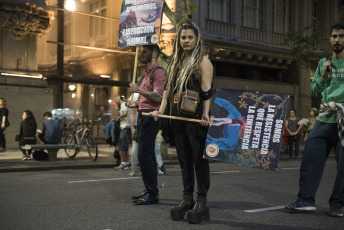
[10, 161]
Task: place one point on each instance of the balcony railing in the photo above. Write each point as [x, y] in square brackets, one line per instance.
[99, 41]
[220, 28]
[245, 34]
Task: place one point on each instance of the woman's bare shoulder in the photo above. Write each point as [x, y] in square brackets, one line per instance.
[205, 61]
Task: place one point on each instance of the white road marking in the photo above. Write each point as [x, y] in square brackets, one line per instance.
[83, 181]
[224, 172]
[265, 209]
[291, 168]
[128, 178]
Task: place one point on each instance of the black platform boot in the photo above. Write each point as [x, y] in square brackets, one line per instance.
[178, 213]
[200, 211]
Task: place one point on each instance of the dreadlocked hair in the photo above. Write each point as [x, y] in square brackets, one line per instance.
[180, 68]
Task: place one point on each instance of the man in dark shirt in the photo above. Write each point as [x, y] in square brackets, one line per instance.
[51, 132]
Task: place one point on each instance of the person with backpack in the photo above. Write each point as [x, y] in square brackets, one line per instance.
[150, 92]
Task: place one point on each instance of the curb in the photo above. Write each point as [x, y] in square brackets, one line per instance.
[68, 167]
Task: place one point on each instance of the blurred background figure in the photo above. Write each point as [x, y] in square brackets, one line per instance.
[27, 134]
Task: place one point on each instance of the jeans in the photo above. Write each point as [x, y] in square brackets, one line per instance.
[320, 141]
[134, 154]
[158, 154]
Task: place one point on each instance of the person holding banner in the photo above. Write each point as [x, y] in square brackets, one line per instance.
[189, 70]
[150, 93]
[327, 132]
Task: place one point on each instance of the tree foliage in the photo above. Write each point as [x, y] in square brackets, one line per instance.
[308, 46]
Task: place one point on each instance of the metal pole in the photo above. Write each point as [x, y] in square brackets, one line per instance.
[60, 55]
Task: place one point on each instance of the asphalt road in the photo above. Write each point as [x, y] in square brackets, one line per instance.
[239, 198]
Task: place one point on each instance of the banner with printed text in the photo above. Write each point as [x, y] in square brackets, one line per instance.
[247, 128]
[140, 22]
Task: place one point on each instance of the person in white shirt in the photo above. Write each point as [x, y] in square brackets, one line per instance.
[125, 134]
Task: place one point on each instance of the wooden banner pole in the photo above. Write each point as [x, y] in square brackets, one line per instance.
[181, 118]
[135, 68]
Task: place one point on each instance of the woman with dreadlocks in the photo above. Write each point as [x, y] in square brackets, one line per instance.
[189, 70]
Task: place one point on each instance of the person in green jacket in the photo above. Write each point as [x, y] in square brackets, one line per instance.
[329, 82]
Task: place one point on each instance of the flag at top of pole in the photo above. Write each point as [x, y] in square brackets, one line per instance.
[140, 22]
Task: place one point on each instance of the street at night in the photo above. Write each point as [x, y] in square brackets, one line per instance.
[239, 198]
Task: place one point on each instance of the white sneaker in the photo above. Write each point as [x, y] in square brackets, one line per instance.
[25, 158]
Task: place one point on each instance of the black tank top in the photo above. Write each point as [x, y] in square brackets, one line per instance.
[193, 84]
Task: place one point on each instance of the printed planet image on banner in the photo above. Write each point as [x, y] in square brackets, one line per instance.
[247, 128]
[140, 22]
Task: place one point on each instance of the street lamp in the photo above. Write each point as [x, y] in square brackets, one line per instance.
[71, 87]
[70, 5]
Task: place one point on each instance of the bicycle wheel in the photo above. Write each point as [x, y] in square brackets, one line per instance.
[92, 147]
[70, 140]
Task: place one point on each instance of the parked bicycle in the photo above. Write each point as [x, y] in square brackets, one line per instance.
[80, 138]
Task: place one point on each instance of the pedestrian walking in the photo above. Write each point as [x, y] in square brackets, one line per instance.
[4, 123]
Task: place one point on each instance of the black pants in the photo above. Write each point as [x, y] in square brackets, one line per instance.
[147, 129]
[293, 141]
[2, 138]
[190, 144]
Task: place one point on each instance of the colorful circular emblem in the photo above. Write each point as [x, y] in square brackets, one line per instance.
[212, 150]
[154, 38]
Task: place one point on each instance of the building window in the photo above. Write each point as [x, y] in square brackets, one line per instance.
[281, 16]
[253, 14]
[220, 10]
[67, 27]
[98, 25]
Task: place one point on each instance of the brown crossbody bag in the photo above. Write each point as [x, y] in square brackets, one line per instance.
[189, 102]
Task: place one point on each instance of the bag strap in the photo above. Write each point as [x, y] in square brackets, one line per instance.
[138, 80]
[152, 74]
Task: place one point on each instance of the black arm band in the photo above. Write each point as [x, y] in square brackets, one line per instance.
[206, 95]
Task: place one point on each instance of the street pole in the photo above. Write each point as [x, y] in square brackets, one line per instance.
[60, 55]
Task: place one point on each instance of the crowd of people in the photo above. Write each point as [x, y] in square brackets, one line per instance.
[190, 70]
